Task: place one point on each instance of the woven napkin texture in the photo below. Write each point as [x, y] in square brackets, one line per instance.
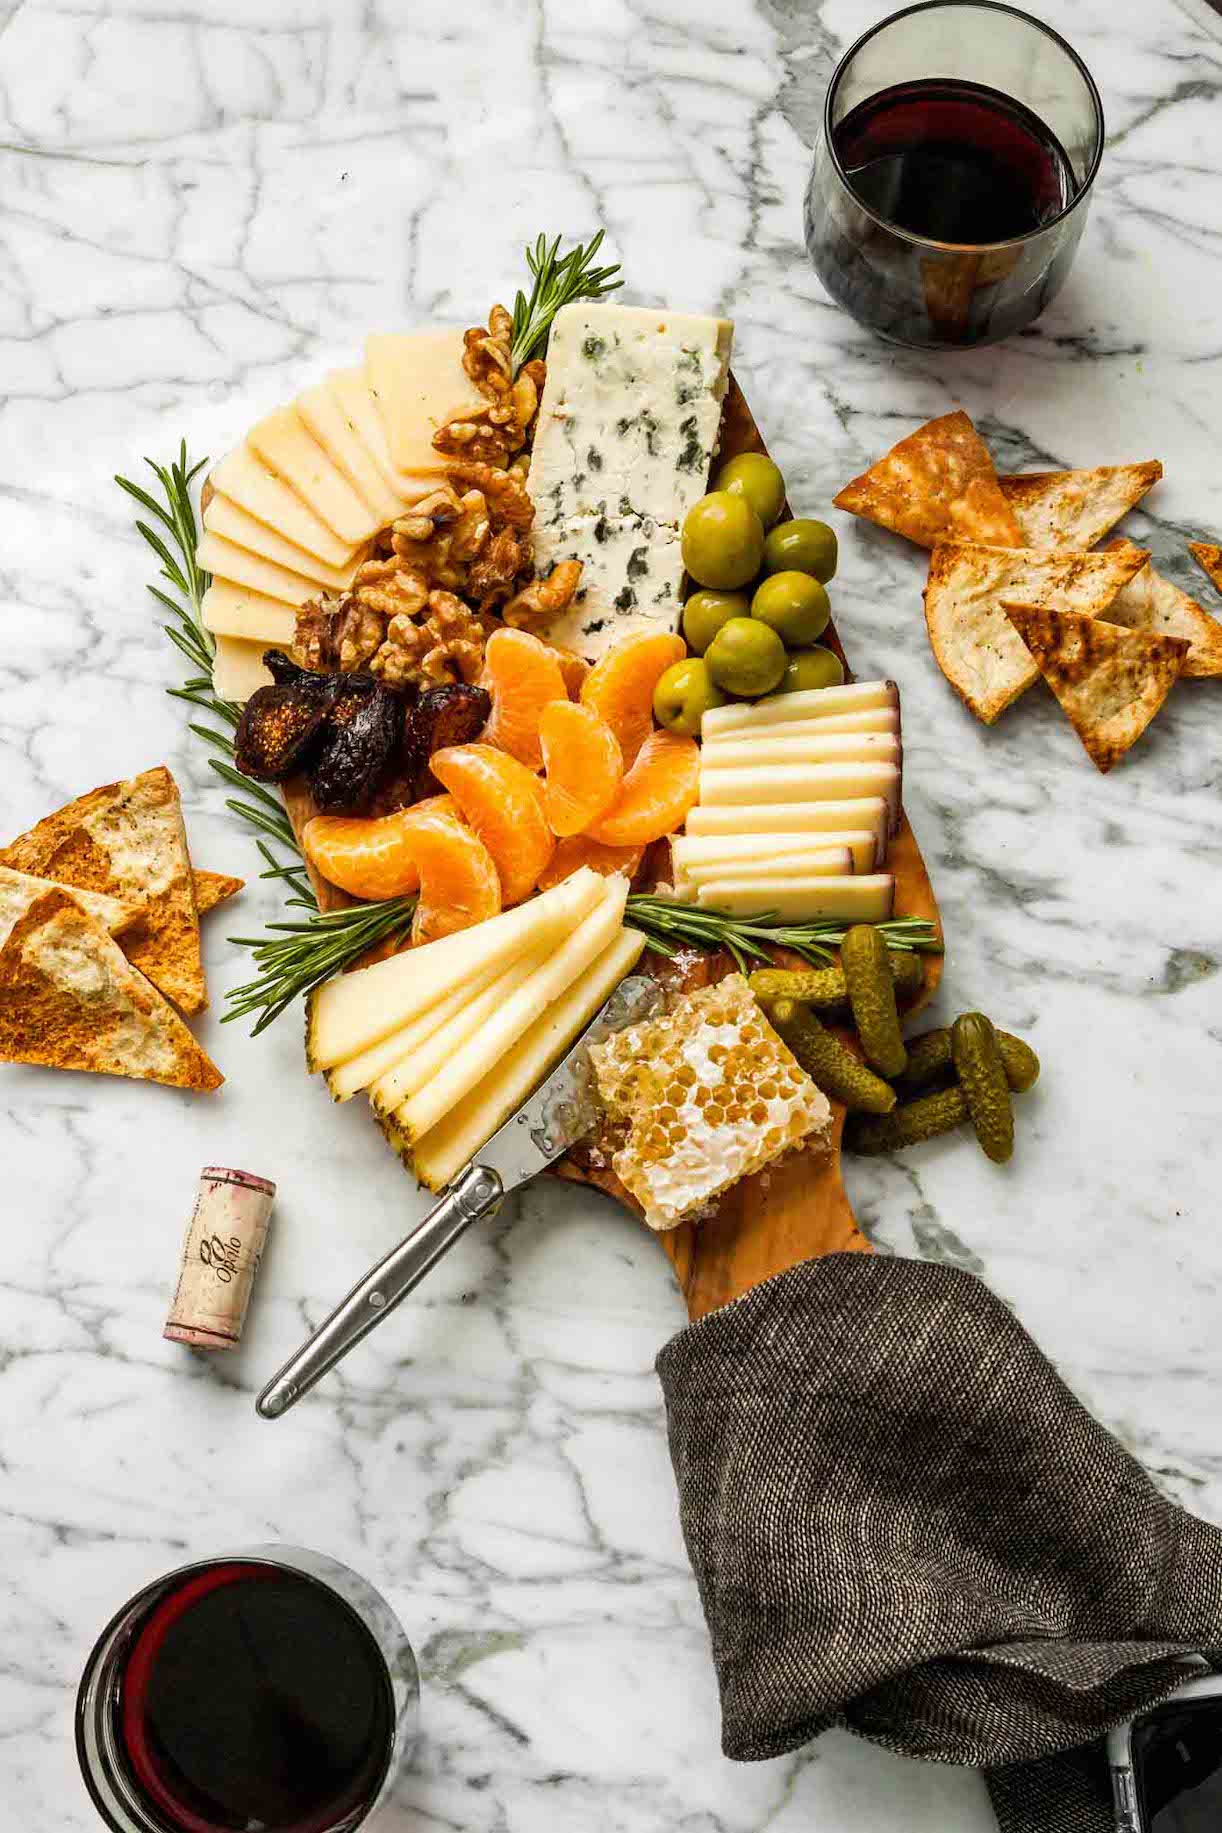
[902, 1521]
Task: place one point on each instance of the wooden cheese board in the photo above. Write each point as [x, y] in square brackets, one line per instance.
[790, 1212]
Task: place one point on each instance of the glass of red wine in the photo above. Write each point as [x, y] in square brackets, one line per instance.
[952, 179]
[273, 1689]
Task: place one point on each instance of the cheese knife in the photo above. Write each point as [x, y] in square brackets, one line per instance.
[562, 1110]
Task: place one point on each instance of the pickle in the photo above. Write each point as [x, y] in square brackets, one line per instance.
[930, 1061]
[826, 1061]
[863, 956]
[907, 1125]
[982, 1077]
[825, 987]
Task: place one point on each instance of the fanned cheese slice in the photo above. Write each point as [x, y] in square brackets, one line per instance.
[865, 899]
[233, 523]
[805, 704]
[418, 382]
[228, 609]
[284, 442]
[359, 408]
[419, 1066]
[243, 477]
[324, 414]
[237, 669]
[237, 564]
[354, 1074]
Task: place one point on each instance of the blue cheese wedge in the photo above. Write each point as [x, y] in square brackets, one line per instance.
[626, 434]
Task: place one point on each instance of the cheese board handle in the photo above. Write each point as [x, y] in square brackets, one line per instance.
[474, 1195]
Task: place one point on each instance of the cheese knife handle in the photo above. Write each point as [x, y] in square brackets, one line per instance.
[475, 1194]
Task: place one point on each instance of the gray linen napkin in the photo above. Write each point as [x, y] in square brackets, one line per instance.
[901, 1521]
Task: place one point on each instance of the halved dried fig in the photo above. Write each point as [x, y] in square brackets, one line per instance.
[279, 732]
[453, 715]
[363, 732]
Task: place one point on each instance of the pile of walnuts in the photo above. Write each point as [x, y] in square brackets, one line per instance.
[458, 563]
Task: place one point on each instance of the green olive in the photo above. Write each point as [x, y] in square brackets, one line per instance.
[801, 547]
[705, 613]
[754, 476]
[746, 658]
[817, 667]
[684, 695]
[794, 605]
[723, 541]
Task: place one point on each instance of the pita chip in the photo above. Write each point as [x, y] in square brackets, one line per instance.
[70, 1000]
[1076, 508]
[1208, 556]
[1150, 602]
[973, 641]
[18, 890]
[937, 485]
[213, 888]
[127, 840]
[1110, 682]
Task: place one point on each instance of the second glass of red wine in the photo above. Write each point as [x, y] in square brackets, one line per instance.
[951, 183]
[273, 1689]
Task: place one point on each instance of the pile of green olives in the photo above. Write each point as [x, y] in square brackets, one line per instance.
[754, 622]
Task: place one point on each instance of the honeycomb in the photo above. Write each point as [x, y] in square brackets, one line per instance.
[705, 1095]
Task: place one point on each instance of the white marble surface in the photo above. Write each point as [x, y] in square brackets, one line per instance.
[204, 206]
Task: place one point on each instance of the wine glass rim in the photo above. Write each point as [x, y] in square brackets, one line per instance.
[990, 6]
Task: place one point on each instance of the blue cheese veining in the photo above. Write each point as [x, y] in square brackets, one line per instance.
[627, 432]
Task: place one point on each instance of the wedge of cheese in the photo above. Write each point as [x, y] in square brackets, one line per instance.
[350, 1077]
[418, 382]
[805, 818]
[806, 703]
[472, 1061]
[770, 852]
[349, 1014]
[869, 898]
[233, 523]
[451, 1145]
[286, 445]
[324, 415]
[237, 564]
[405, 1077]
[352, 392]
[237, 669]
[761, 748]
[781, 783]
[229, 609]
[810, 862]
[243, 477]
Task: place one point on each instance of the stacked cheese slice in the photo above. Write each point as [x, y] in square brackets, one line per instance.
[293, 508]
[450, 1038]
[798, 796]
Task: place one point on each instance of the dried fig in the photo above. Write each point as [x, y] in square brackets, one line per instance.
[363, 732]
[453, 715]
[280, 730]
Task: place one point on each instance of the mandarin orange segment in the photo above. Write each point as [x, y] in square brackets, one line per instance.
[584, 766]
[500, 798]
[620, 687]
[656, 794]
[579, 850]
[459, 882]
[369, 856]
[573, 669]
[522, 674]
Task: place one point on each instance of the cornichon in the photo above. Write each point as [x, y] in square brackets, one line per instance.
[930, 1059]
[982, 1078]
[876, 1019]
[826, 1061]
[907, 1125]
[825, 987]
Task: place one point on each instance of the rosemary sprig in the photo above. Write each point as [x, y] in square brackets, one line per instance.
[293, 958]
[671, 926]
[558, 281]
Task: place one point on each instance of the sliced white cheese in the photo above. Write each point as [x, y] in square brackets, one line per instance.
[791, 818]
[348, 1078]
[806, 703]
[324, 415]
[631, 569]
[881, 719]
[869, 898]
[836, 748]
[770, 852]
[356, 402]
[411, 1072]
[237, 669]
[228, 609]
[238, 564]
[418, 382]
[243, 477]
[810, 862]
[779, 783]
[472, 1061]
[356, 1010]
[285, 443]
[227, 519]
[471, 1122]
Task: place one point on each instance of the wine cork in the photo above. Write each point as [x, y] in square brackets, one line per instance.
[220, 1258]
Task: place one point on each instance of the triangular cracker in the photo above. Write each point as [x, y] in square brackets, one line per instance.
[18, 890]
[937, 485]
[1208, 556]
[973, 641]
[1150, 602]
[1076, 508]
[212, 888]
[69, 1000]
[127, 839]
[1110, 682]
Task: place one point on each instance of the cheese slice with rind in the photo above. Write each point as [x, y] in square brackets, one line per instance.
[875, 719]
[220, 557]
[285, 443]
[418, 382]
[732, 853]
[805, 818]
[350, 1077]
[868, 898]
[454, 1141]
[764, 748]
[416, 1067]
[324, 415]
[243, 477]
[228, 609]
[806, 862]
[780, 783]
[233, 523]
[804, 703]
[238, 669]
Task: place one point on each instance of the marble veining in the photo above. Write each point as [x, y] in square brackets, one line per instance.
[206, 205]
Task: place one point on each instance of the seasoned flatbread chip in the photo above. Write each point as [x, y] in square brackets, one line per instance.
[1208, 556]
[18, 890]
[1150, 602]
[1110, 682]
[212, 888]
[937, 485]
[128, 840]
[69, 1000]
[1076, 508]
[972, 639]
